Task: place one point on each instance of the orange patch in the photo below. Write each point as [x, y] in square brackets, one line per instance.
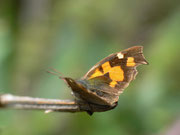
[116, 73]
[96, 73]
[130, 62]
[113, 84]
[106, 67]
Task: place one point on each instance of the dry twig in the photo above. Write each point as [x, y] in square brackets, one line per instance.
[30, 103]
[21, 102]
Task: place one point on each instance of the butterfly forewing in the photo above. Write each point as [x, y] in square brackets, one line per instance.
[114, 73]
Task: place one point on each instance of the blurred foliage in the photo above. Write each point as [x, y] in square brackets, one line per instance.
[72, 36]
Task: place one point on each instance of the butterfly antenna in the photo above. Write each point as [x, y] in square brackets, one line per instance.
[56, 73]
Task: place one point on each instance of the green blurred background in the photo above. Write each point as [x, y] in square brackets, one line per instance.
[71, 36]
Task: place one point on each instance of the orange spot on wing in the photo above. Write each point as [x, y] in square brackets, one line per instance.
[113, 84]
[130, 62]
[106, 67]
[116, 73]
[96, 73]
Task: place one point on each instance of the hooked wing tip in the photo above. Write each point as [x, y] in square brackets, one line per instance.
[137, 53]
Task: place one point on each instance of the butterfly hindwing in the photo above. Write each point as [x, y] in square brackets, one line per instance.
[101, 89]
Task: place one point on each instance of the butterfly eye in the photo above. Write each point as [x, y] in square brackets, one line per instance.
[70, 80]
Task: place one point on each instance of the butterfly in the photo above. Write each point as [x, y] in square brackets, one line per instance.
[101, 86]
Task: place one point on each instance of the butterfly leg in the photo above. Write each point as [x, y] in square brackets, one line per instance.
[84, 105]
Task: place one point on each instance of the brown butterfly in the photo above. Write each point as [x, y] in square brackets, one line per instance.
[101, 86]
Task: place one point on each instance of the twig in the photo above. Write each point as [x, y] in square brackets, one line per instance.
[30, 103]
[21, 102]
